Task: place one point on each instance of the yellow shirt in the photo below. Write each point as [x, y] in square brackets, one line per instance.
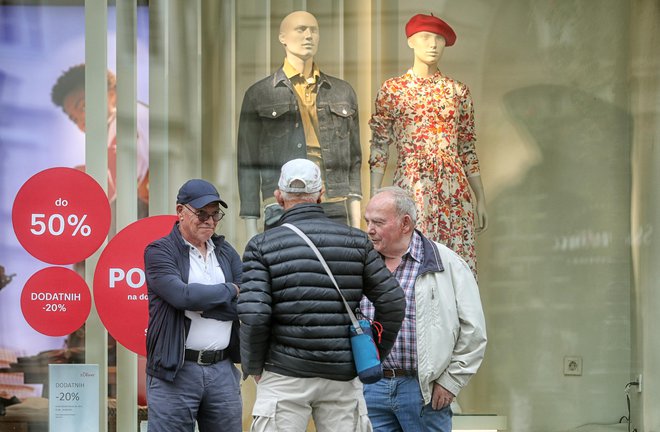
[306, 90]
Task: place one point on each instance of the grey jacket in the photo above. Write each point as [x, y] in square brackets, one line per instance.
[270, 133]
[450, 326]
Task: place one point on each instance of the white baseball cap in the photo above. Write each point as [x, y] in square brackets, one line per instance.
[300, 176]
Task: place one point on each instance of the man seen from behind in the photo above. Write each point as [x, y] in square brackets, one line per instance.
[294, 326]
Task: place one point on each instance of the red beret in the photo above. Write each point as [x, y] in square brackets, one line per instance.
[430, 23]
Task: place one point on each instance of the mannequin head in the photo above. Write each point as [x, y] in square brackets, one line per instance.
[299, 35]
[428, 36]
[427, 47]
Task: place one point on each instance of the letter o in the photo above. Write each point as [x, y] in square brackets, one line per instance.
[129, 278]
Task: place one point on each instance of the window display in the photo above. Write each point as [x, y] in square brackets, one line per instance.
[299, 112]
[562, 95]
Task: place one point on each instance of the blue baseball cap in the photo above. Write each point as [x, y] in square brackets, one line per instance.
[198, 193]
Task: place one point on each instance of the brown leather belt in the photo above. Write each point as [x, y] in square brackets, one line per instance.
[205, 358]
[394, 373]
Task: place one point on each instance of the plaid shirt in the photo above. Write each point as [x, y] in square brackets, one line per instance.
[404, 352]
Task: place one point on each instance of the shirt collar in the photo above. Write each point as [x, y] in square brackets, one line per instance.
[291, 72]
[415, 248]
[210, 246]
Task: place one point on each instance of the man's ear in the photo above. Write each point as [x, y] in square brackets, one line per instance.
[406, 224]
[278, 197]
[281, 38]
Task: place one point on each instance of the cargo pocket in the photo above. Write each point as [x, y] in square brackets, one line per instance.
[363, 422]
[263, 416]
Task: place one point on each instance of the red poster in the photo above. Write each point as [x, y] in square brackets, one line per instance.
[56, 301]
[61, 215]
[120, 290]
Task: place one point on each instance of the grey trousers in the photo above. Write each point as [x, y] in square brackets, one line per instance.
[210, 395]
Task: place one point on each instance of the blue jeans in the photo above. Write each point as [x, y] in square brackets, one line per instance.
[211, 395]
[396, 405]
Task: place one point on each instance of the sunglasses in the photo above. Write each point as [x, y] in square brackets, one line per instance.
[203, 216]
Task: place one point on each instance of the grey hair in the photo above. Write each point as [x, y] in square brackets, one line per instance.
[303, 197]
[403, 202]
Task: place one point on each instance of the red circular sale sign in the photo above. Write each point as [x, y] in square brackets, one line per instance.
[56, 301]
[120, 290]
[61, 215]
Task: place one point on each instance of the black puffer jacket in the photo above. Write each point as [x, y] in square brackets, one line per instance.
[293, 321]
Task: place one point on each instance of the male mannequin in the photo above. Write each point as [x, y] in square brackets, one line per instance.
[429, 117]
[299, 112]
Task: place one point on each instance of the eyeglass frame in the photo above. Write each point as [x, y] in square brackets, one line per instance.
[203, 216]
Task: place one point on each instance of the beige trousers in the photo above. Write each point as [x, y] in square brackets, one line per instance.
[285, 404]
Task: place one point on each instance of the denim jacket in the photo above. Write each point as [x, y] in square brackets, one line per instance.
[270, 133]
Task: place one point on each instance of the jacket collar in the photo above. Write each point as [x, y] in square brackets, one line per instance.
[301, 212]
[431, 261]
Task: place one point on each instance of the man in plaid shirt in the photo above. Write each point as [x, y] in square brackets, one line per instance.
[443, 338]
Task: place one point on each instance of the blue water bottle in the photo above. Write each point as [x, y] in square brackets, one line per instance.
[365, 352]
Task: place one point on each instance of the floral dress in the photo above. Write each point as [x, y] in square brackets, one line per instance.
[431, 122]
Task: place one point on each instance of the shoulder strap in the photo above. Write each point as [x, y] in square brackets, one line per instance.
[311, 244]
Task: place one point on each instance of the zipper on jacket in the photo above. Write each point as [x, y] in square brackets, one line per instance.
[432, 286]
[183, 343]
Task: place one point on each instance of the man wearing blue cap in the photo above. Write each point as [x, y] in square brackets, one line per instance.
[192, 340]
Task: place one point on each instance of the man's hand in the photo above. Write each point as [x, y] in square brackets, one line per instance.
[441, 397]
[256, 378]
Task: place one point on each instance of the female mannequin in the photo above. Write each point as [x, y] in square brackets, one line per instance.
[430, 119]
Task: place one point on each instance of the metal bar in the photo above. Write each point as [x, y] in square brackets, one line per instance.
[96, 165]
[126, 205]
[159, 100]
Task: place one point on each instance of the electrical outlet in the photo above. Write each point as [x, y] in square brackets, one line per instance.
[639, 383]
[572, 365]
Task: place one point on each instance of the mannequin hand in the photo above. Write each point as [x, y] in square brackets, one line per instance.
[480, 211]
[482, 218]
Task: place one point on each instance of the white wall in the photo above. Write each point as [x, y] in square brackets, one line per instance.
[645, 98]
